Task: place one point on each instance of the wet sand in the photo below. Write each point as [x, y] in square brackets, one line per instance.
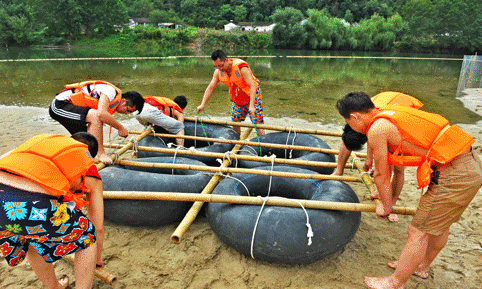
[146, 258]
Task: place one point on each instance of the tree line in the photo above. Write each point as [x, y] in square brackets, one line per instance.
[446, 26]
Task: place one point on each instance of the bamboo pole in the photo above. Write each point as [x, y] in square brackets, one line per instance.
[233, 156]
[245, 200]
[101, 273]
[196, 207]
[264, 126]
[251, 143]
[122, 150]
[226, 170]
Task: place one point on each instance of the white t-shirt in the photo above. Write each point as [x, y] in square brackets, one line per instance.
[97, 89]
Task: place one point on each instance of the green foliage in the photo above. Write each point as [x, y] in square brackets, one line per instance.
[288, 32]
[238, 40]
[18, 26]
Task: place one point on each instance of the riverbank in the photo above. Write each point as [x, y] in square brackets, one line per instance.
[146, 258]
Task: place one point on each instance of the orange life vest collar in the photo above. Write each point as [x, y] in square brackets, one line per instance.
[52, 161]
[78, 96]
[166, 105]
[234, 80]
[395, 98]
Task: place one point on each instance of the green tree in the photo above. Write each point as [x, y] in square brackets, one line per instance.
[18, 26]
[330, 32]
[288, 32]
[240, 13]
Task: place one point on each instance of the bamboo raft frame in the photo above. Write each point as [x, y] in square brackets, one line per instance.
[205, 195]
[251, 143]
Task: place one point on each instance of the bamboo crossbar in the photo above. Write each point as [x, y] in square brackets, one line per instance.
[251, 143]
[245, 200]
[233, 156]
[101, 273]
[127, 146]
[196, 207]
[226, 170]
[264, 126]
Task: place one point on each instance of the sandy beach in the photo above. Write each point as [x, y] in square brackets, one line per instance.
[146, 258]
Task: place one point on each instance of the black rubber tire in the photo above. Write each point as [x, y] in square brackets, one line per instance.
[150, 212]
[281, 235]
[192, 128]
[281, 138]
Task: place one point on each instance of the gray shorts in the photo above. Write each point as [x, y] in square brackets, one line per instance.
[152, 115]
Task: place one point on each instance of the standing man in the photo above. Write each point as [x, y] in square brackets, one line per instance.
[86, 106]
[164, 113]
[404, 136]
[243, 87]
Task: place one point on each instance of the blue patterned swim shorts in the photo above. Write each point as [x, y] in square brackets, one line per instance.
[53, 227]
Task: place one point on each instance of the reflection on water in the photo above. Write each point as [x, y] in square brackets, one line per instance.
[293, 87]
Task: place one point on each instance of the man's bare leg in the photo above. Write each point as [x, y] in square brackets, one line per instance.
[413, 253]
[45, 271]
[436, 244]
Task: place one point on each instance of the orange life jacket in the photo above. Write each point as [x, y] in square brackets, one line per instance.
[52, 161]
[166, 105]
[79, 98]
[235, 81]
[427, 130]
[395, 98]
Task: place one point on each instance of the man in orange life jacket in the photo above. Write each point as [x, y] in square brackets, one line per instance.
[86, 106]
[405, 136]
[164, 114]
[243, 87]
[352, 140]
[40, 217]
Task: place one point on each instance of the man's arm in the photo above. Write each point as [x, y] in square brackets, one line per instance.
[209, 91]
[378, 143]
[343, 156]
[95, 212]
[105, 116]
[246, 74]
[178, 115]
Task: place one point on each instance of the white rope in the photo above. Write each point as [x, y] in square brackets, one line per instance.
[292, 142]
[309, 234]
[195, 128]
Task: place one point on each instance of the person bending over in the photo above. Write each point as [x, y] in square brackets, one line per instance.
[404, 136]
[164, 114]
[86, 106]
[40, 217]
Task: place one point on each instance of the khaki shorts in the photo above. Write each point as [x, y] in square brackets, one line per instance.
[452, 188]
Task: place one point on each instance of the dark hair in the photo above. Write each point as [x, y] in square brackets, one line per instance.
[352, 139]
[218, 54]
[181, 100]
[134, 98]
[354, 102]
[89, 140]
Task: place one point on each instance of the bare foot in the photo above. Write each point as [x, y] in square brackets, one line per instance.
[105, 159]
[380, 283]
[100, 264]
[64, 282]
[419, 273]
[393, 218]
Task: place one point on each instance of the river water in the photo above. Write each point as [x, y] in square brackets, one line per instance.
[296, 85]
